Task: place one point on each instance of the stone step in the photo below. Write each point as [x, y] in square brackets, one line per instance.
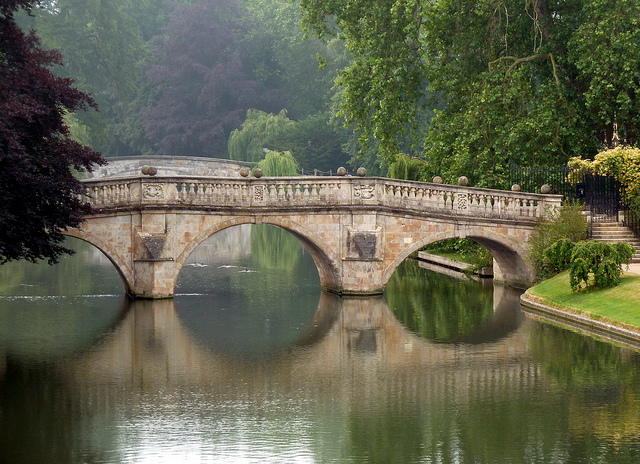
[614, 232]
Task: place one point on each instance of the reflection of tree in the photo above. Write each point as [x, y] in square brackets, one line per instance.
[274, 248]
[41, 419]
[604, 380]
[436, 306]
[70, 276]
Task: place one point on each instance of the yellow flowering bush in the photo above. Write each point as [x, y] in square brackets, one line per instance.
[621, 162]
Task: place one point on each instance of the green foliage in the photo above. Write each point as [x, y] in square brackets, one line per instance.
[568, 223]
[558, 256]
[530, 82]
[601, 260]
[386, 77]
[258, 131]
[280, 164]
[313, 141]
[463, 249]
[407, 167]
[103, 51]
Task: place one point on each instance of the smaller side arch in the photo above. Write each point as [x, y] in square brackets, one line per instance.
[510, 265]
[123, 270]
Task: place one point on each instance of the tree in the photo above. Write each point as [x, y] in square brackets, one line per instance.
[204, 82]
[40, 195]
[532, 82]
[260, 131]
[102, 48]
[278, 164]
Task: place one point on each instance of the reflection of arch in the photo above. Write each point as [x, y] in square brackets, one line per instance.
[504, 320]
[326, 260]
[125, 273]
[508, 257]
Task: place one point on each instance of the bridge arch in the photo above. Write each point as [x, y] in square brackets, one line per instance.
[508, 252]
[120, 265]
[325, 260]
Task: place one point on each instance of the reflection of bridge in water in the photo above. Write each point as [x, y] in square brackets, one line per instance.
[151, 350]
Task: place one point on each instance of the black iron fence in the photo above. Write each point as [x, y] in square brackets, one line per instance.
[601, 195]
[632, 221]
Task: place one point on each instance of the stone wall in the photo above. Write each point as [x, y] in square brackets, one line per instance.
[123, 166]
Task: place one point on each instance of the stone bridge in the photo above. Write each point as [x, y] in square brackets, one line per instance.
[357, 229]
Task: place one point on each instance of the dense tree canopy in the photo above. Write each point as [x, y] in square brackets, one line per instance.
[40, 195]
[205, 84]
[532, 82]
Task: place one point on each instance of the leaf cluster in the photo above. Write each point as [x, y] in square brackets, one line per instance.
[601, 260]
[281, 164]
[621, 162]
[407, 167]
[566, 223]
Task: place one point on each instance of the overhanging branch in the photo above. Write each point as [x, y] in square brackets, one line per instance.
[519, 61]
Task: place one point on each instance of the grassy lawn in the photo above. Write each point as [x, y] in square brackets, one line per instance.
[617, 304]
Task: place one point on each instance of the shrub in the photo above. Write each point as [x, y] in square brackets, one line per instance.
[567, 222]
[558, 256]
[602, 260]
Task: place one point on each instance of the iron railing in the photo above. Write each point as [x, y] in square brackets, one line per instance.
[632, 221]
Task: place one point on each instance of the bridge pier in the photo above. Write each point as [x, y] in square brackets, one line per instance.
[362, 278]
[153, 278]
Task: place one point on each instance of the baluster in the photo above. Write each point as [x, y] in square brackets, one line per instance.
[315, 192]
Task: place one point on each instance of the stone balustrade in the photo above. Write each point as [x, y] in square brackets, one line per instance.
[315, 192]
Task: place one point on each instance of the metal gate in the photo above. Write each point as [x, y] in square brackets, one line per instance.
[602, 197]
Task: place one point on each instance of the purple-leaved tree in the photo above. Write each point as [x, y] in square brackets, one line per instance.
[39, 193]
[206, 84]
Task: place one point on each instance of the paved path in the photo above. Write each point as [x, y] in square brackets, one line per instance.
[633, 267]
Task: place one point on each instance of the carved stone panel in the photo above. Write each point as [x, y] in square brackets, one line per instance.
[365, 192]
[363, 244]
[153, 245]
[258, 193]
[153, 192]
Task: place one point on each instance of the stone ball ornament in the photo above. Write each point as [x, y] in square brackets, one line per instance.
[515, 188]
[545, 189]
[361, 172]
[437, 180]
[244, 171]
[257, 173]
[463, 181]
[341, 171]
[148, 170]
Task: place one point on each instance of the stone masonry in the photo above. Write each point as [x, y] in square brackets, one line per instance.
[358, 230]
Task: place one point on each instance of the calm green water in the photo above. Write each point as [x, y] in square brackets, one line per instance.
[252, 363]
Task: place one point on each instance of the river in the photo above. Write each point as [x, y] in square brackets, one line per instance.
[252, 363]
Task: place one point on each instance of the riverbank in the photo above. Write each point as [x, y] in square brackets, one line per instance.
[454, 264]
[612, 314]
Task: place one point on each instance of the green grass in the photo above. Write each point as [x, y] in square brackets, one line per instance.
[616, 304]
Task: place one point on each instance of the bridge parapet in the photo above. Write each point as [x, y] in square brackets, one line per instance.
[313, 192]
